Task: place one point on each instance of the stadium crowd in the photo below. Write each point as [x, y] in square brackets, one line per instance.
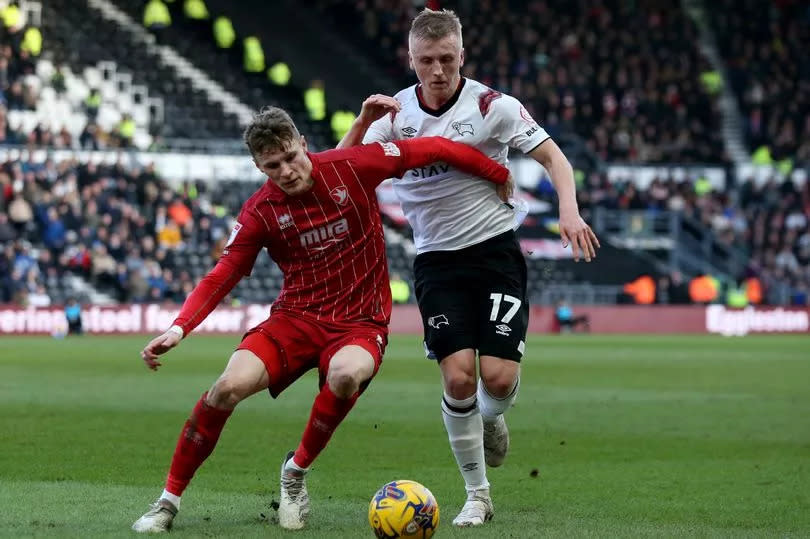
[765, 48]
[124, 229]
[627, 79]
[768, 221]
[119, 227]
[627, 76]
[20, 88]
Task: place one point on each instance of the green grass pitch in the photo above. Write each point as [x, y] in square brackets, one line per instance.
[629, 437]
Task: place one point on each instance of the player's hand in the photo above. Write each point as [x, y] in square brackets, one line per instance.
[578, 234]
[377, 106]
[159, 346]
[506, 189]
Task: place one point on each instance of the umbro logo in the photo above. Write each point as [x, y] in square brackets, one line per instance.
[409, 131]
[463, 128]
[285, 221]
[470, 467]
[503, 329]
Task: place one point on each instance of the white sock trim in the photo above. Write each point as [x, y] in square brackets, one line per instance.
[459, 407]
[293, 466]
[168, 496]
[492, 407]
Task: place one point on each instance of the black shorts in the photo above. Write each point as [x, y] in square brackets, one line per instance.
[474, 298]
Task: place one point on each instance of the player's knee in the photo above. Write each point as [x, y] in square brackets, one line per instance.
[499, 384]
[459, 384]
[343, 382]
[226, 393]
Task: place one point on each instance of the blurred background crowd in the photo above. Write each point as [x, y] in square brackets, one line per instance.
[692, 85]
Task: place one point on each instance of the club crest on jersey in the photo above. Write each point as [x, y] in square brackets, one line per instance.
[285, 221]
[340, 195]
[463, 128]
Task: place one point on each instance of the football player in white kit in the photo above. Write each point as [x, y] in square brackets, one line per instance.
[470, 274]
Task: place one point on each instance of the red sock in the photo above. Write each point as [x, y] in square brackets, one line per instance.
[327, 412]
[197, 440]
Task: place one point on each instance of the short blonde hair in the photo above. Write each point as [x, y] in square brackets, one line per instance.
[432, 25]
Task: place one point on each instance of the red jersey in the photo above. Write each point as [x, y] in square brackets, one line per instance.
[328, 242]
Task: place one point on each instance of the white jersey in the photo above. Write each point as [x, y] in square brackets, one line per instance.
[448, 209]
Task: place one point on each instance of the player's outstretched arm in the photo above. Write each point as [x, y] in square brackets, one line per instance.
[573, 229]
[374, 108]
[198, 305]
[420, 152]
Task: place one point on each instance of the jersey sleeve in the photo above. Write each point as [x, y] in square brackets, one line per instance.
[380, 131]
[244, 243]
[379, 161]
[206, 296]
[514, 126]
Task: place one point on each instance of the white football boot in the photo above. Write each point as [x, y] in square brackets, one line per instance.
[477, 510]
[496, 442]
[293, 507]
[158, 519]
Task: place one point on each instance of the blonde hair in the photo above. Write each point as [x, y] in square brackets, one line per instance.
[432, 25]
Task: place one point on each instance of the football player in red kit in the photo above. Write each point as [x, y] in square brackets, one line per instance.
[317, 216]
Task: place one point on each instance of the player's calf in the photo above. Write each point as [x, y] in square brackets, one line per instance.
[496, 434]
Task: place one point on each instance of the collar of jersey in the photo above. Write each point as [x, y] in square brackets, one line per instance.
[277, 195]
[444, 108]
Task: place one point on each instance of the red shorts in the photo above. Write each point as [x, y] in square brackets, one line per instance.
[290, 345]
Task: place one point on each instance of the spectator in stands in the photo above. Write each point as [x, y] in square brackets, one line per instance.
[91, 104]
[315, 100]
[197, 17]
[32, 41]
[90, 137]
[20, 214]
[126, 131]
[6, 265]
[253, 56]
[157, 19]
[54, 231]
[11, 15]
[279, 73]
[641, 290]
[15, 99]
[39, 297]
[224, 34]
[169, 236]
[704, 289]
[7, 232]
[341, 122]
[677, 292]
